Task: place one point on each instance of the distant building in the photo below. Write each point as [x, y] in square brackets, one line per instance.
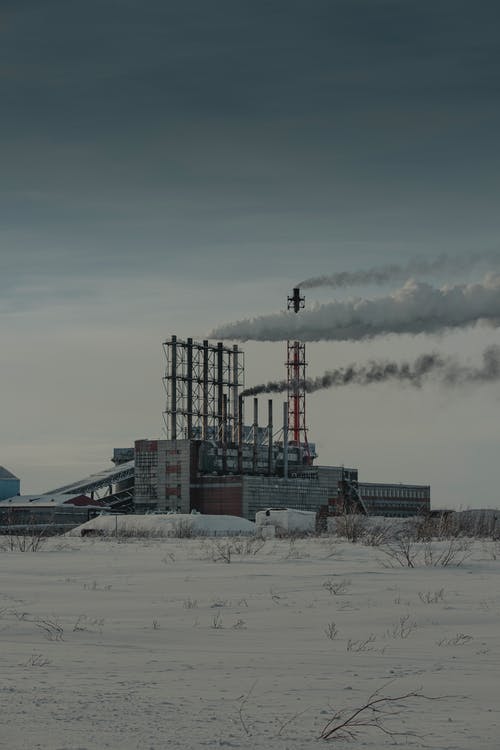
[9, 484]
[186, 475]
[59, 511]
[395, 500]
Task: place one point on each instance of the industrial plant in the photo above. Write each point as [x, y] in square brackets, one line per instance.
[214, 458]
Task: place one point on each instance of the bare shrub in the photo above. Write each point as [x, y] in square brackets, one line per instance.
[365, 644]
[379, 712]
[402, 629]
[431, 597]
[460, 639]
[376, 534]
[351, 526]
[32, 541]
[455, 553]
[220, 603]
[402, 551]
[216, 621]
[222, 551]
[408, 553]
[335, 588]
[88, 624]
[331, 631]
[51, 628]
[190, 603]
[94, 586]
[37, 660]
[476, 524]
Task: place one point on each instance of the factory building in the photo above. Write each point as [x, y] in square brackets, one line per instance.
[395, 499]
[9, 484]
[186, 475]
[58, 511]
[213, 462]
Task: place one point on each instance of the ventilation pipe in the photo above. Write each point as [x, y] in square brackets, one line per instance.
[255, 433]
[285, 440]
[270, 437]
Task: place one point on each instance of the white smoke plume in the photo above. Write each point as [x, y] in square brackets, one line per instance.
[434, 367]
[396, 272]
[415, 308]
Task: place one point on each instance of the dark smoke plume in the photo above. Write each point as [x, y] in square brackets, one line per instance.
[433, 367]
[396, 272]
[415, 308]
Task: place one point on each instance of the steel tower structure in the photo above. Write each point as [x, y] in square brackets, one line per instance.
[296, 379]
[202, 383]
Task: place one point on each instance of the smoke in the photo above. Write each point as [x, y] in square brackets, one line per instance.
[415, 308]
[446, 371]
[395, 272]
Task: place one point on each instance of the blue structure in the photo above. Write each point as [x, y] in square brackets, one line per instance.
[9, 484]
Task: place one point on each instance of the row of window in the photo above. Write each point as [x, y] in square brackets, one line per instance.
[396, 492]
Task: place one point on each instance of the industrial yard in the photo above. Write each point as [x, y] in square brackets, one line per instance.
[144, 643]
[213, 458]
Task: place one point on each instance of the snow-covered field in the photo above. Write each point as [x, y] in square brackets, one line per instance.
[153, 644]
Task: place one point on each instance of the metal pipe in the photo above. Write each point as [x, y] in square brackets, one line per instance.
[234, 437]
[255, 433]
[220, 388]
[240, 434]
[270, 437]
[285, 439]
[173, 401]
[205, 391]
[224, 433]
[189, 394]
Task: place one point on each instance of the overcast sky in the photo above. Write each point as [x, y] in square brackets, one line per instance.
[170, 167]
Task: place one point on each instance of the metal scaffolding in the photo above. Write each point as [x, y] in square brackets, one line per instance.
[202, 382]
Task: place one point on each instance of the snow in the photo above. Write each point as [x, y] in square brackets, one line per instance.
[158, 643]
[166, 524]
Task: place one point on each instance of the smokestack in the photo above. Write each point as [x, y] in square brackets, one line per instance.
[270, 437]
[235, 394]
[205, 391]
[255, 433]
[189, 394]
[240, 434]
[173, 403]
[285, 439]
[224, 433]
[220, 387]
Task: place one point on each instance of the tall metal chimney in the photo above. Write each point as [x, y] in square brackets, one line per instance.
[173, 395]
[220, 388]
[285, 439]
[204, 431]
[255, 433]
[240, 434]
[235, 413]
[270, 437]
[189, 391]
